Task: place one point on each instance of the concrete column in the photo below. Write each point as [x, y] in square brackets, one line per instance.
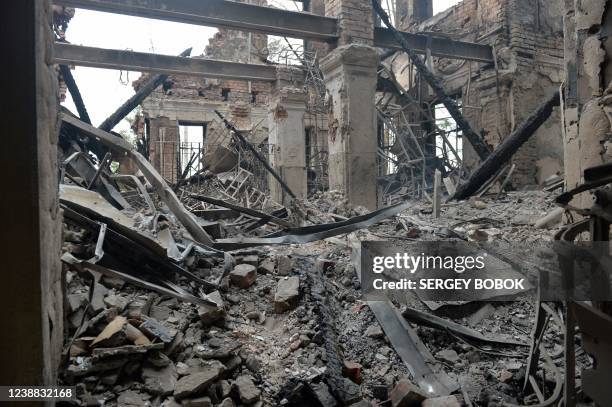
[287, 138]
[31, 289]
[350, 77]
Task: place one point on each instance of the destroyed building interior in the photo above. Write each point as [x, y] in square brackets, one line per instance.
[213, 257]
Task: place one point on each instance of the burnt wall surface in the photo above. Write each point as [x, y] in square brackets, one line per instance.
[188, 99]
[527, 37]
[587, 100]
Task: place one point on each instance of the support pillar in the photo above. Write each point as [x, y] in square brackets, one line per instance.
[287, 137]
[350, 77]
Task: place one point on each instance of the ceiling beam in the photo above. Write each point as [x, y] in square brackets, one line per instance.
[221, 13]
[440, 47]
[69, 54]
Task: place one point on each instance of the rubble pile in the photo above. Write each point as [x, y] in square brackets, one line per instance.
[191, 296]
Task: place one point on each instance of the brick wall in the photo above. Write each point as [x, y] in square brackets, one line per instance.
[528, 41]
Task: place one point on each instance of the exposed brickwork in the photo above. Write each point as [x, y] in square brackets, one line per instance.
[356, 20]
[528, 41]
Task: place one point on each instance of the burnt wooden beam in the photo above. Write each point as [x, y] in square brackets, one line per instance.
[77, 98]
[508, 148]
[137, 98]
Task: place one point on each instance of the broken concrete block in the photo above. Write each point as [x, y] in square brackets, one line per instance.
[267, 266]
[159, 381]
[196, 383]
[154, 329]
[374, 332]
[199, 402]
[76, 301]
[246, 390]
[352, 370]
[112, 335]
[448, 401]
[284, 264]
[287, 294]
[243, 275]
[97, 298]
[406, 394]
[209, 314]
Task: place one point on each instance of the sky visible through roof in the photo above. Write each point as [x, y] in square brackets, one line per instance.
[103, 90]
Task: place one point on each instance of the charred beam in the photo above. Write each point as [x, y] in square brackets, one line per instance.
[75, 93]
[166, 64]
[136, 99]
[508, 148]
[470, 134]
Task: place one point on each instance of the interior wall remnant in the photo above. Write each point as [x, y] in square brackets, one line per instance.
[31, 290]
[588, 91]
[527, 38]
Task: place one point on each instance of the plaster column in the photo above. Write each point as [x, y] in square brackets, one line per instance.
[350, 77]
[287, 137]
